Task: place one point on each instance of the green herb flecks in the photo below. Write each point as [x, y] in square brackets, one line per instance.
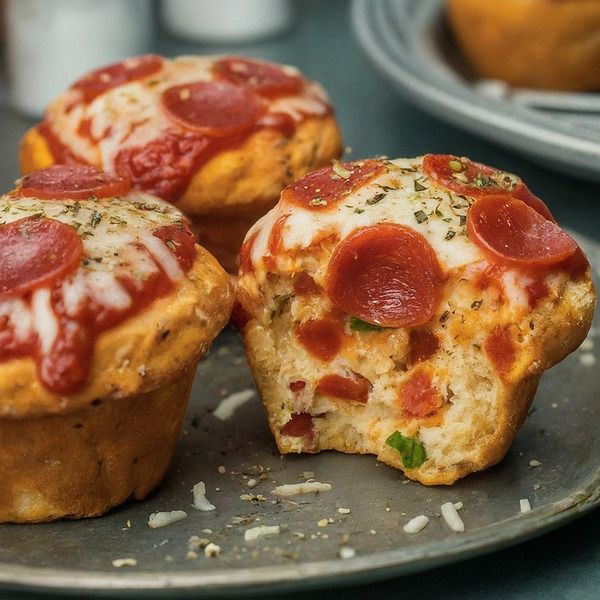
[450, 234]
[360, 325]
[418, 186]
[95, 219]
[421, 216]
[411, 451]
[376, 198]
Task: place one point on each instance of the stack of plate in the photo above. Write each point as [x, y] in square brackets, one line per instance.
[409, 42]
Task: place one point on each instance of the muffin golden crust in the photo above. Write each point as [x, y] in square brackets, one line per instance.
[546, 44]
[217, 136]
[407, 309]
[106, 307]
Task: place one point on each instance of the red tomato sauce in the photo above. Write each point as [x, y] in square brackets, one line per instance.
[64, 369]
[207, 118]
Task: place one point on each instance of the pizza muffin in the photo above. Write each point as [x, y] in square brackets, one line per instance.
[219, 137]
[106, 306]
[408, 309]
[545, 44]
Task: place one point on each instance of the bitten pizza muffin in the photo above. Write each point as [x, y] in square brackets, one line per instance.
[547, 44]
[407, 309]
[217, 136]
[106, 306]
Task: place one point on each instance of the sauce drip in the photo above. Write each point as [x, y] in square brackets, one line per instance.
[165, 165]
[64, 365]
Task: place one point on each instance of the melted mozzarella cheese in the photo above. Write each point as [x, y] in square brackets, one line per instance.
[515, 289]
[115, 234]
[44, 319]
[19, 317]
[403, 195]
[132, 115]
[438, 215]
[107, 291]
[164, 257]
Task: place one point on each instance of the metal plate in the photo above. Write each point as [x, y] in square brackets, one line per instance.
[409, 42]
[560, 433]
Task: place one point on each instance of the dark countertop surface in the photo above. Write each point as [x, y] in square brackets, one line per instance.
[376, 121]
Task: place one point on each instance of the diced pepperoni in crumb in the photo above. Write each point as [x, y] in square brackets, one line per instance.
[299, 425]
[423, 345]
[297, 386]
[305, 285]
[323, 338]
[355, 388]
[501, 348]
[418, 397]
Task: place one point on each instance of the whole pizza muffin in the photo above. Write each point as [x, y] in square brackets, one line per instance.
[407, 309]
[547, 44]
[106, 306]
[219, 137]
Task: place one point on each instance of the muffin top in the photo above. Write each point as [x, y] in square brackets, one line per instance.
[81, 254]
[156, 120]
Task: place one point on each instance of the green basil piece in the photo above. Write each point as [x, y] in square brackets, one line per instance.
[358, 325]
[411, 451]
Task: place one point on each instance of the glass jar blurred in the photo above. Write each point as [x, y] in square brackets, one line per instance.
[51, 43]
[227, 21]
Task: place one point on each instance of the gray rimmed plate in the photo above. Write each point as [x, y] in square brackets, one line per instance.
[561, 483]
[409, 42]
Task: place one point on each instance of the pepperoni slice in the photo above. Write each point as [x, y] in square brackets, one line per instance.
[423, 345]
[511, 232]
[321, 337]
[298, 426]
[464, 176]
[264, 78]
[501, 349]
[297, 386]
[36, 252]
[386, 274]
[101, 80]
[418, 397]
[355, 388]
[180, 240]
[76, 182]
[305, 285]
[323, 189]
[213, 108]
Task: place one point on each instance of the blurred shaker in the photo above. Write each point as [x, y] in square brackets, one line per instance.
[226, 21]
[51, 43]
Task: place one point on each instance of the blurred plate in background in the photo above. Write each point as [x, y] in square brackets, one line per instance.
[410, 44]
